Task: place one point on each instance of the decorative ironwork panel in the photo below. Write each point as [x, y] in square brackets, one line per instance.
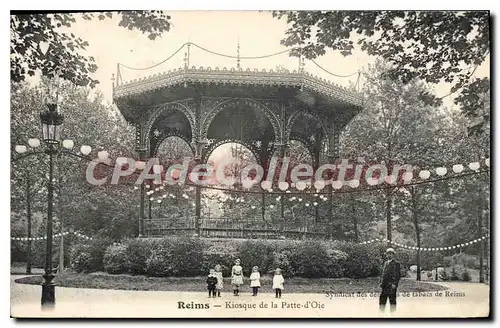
[221, 105]
[171, 107]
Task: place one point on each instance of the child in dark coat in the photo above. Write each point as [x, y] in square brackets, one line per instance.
[211, 283]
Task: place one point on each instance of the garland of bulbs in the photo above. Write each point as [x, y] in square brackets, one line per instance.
[160, 198]
[54, 236]
[431, 249]
[320, 184]
[407, 177]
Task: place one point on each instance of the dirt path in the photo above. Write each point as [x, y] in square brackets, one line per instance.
[461, 300]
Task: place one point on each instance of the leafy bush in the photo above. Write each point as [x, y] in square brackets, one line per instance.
[465, 276]
[180, 257]
[88, 257]
[454, 275]
[81, 258]
[310, 260]
[444, 276]
[282, 260]
[210, 260]
[115, 259]
[336, 259]
[186, 257]
[158, 265]
[138, 251]
[221, 253]
[256, 253]
[361, 261]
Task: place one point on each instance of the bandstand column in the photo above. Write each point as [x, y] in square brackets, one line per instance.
[332, 155]
[329, 188]
[281, 151]
[199, 145]
[142, 157]
[315, 169]
[142, 151]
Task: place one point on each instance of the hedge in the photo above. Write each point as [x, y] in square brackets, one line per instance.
[185, 256]
[89, 256]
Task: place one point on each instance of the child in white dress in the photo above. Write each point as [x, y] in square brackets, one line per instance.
[278, 282]
[220, 279]
[237, 277]
[255, 280]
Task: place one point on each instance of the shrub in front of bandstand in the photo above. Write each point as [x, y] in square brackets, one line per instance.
[361, 261]
[115, 259]
[183, 256]
[176, 257]
[88, 256]
[313, 259]
[138, 251]
[222, 253]
[256, 253]
[81, 258]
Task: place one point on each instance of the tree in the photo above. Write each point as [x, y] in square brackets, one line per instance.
[40, 43]
[396, 127]
[434, 46]
[88, 121]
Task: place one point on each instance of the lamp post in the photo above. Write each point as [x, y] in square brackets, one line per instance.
[51, 123]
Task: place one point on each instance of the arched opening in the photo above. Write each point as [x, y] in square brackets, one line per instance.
[225, 213]
[170, 122]
[245, 123]
[173, 148]
[170, 209]
[310, 131]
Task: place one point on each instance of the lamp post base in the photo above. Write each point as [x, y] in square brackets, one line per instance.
[48, 292]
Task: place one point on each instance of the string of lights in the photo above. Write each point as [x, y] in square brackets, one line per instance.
[429, 249]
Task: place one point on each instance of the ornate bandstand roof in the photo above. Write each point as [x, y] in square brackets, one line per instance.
[170, 84]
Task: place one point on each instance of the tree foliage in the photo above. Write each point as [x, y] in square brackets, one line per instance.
[434, 46]
[44, 43]
[88, 121]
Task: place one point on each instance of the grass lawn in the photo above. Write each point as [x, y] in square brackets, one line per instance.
[197, 284]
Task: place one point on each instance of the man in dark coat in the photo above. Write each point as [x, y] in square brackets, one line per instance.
[389, 280]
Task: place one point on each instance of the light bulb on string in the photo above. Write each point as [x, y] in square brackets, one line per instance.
[474, 166]
[441, 171]
[424, 174]
[458, 168]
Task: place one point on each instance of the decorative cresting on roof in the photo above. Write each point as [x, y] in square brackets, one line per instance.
[238, 77]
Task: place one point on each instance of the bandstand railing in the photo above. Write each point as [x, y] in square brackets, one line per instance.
[235, 228]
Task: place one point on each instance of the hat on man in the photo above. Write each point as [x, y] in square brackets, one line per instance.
[390, 250]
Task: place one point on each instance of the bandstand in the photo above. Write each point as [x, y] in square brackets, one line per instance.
[198, 105]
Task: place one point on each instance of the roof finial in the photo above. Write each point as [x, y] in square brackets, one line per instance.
[238, 55]
[186, 54]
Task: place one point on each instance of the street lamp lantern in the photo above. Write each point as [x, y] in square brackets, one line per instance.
[51, 123]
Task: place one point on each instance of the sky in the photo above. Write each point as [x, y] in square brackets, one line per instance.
[258, 33]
